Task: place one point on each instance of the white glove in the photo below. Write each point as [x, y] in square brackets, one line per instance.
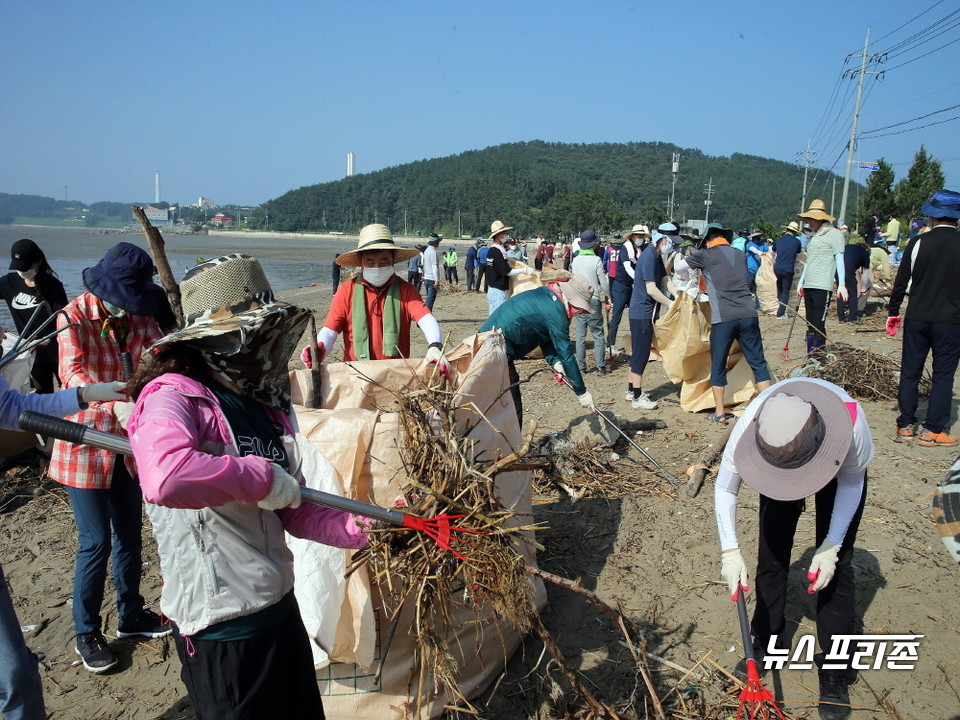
[842, 293]
[823, 567]
[435, 355]
[123, 410]
[558, 368]
[285, 491]
[586, 400]
[103, 392]
[734, 570]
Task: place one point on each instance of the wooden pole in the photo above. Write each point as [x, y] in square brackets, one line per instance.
[155, 241]
[698, 473]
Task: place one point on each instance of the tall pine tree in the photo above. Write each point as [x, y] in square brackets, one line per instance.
[922, 181]
[878, 196]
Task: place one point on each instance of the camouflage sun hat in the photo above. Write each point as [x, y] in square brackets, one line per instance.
[228, 295]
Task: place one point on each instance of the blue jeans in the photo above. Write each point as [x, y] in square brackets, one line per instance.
[495, 298]
[94, 511]
[620, 296]
[431, 286]
[593, 321]
[21, 695]
[919, 339]
[747, 333]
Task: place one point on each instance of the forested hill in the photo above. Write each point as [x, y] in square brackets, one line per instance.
[547, 187]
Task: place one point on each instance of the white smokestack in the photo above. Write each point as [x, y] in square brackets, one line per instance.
[156, 199]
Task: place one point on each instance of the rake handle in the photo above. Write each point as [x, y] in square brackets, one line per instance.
[744, 625]
[80, 434]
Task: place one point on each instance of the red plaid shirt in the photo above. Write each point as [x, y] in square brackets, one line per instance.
[87, 358]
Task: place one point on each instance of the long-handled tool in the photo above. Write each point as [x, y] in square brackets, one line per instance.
[440, 528]
[757, 700]
[26, 343]
[785, 353]
[562, 379]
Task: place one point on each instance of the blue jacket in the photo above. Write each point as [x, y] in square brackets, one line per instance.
[537, 318]
[471, 262]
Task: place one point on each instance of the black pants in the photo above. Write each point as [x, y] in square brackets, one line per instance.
[784, 284]
[269, 676]
[849, 310]
[515, 389]
[482, 278]
[921, 338]
[815, 303]
[836, 602]
[471, 277]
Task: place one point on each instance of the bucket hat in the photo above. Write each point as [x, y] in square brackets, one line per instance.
[227, 294]
[944, 203]
[497, 227]
[668, 228]
[718, 229]
[23, 254]
[816, 211]
[796, 441]
[588, 238]
[578, 292]
[375, 237]
[121, 279]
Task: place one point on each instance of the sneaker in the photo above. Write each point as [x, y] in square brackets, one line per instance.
[146, 624]
[834, 695]
[628, 395]
[643, 402]
[93, 650]
[905, 434]
[932, 439]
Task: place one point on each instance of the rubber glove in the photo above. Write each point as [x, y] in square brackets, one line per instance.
[893, 324]
[734, 570]
[586, 400]
[799, 291]
[842, 293]
[305, 356]
[435, 355]
[285, 491]
[103, 392]
[123, 411]
[823, 567]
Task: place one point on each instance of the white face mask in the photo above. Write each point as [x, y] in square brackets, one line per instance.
[27, 274]
[377, 277]
[114, 310]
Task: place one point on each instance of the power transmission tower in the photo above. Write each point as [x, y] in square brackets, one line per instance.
[708, 190]
[675, 169]
[806, 168]
[851, 147]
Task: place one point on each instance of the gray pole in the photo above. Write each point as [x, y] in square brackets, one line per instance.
[806, 169]
[708, 190]
[673, 188]
[853, 130]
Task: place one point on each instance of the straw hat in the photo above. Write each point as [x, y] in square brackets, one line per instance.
[375, 237]
[641, 230]
[797, 440]
[816, 211]
[497, 227]
[792, 227]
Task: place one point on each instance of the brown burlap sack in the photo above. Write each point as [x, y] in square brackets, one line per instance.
[767, 285]
[683, 338]
[358, 431]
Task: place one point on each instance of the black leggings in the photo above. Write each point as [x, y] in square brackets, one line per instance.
[815, 303]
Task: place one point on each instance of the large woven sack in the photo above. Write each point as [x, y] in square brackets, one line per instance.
[767, 286]
[358, 430]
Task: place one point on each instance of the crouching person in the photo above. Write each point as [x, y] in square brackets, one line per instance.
[212, 435]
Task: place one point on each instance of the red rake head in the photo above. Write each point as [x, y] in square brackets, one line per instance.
[756, 698]
[440, 530]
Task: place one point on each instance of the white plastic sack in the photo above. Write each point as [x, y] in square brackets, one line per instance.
[17, 373]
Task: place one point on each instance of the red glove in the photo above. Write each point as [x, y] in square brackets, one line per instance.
[305, 356]
[559, 378]
[800, 292]
[893, 324]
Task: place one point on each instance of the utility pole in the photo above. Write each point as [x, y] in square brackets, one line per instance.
[833, 194]
[806, 169]
[459, 224]
[851, 147]
[675, 169]
[708, 190]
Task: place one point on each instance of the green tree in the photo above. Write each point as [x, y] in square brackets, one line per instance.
[878, 196]
[652, 215]
[924, 178]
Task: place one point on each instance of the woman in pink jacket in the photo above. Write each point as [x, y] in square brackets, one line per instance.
[213, 440]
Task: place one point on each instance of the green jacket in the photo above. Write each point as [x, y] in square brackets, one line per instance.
[537, 318]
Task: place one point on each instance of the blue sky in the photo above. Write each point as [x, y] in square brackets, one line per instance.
[241, 101]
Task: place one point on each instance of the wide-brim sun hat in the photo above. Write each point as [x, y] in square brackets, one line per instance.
[375, 237]
[497, 227]
[824, 446]
[816, 211]
[718, 229]
[668, 228]
[227, 294]
[121, 279]
[641, 230]
[588, 238]
[792, 227]
[943, 204]
[578, 292]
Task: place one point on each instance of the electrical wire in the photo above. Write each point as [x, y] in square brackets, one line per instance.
[921, 57]
[919, 127]
[915, 17]
[905, 122]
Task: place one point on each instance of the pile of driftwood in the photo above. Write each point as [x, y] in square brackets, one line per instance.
[863, 374]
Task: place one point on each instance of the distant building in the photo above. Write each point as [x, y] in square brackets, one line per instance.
[221, 220]
[158, 217]
[203, 202]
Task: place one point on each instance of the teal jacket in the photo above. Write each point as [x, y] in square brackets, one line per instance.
[537, 318]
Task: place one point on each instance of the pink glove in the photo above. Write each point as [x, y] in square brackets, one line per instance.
[800, 292]
[893, 324]
[305, 356]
